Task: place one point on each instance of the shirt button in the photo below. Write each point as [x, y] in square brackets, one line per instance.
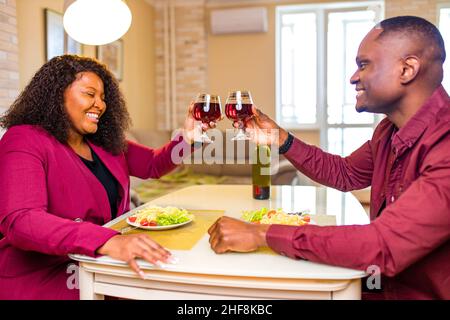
[78, 220]
[392, 199]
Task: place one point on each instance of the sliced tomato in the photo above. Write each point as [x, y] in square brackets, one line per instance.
[152, 223]
[306, 218]
[132, 219]
[271, 213]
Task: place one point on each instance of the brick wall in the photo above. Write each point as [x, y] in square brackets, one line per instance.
[423, 8]
[190, 75]
[9, 54]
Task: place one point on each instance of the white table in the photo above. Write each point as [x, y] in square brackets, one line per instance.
[202, 274]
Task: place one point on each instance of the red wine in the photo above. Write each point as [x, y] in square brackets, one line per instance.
[261, 193]
[233, 113]
[206, 112]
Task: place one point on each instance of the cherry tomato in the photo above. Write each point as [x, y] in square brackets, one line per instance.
[153, 223]
[132, 219]
[271, 213]
[144, 222]
[306, 218]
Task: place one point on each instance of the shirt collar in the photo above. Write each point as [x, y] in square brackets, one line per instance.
[414, 128]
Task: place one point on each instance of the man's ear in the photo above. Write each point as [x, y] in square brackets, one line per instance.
[411, 67]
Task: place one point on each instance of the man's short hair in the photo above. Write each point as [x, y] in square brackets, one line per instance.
[412, 26]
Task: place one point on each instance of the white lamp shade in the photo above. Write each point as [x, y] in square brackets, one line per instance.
[97, 22]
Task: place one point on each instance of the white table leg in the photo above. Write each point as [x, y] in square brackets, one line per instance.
[86, 281]
[351, 292]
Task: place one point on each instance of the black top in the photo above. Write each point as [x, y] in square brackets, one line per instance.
[107, 180]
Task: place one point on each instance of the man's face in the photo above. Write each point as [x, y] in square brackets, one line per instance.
[377, 78]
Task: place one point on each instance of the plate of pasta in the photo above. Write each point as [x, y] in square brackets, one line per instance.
[159, 218]
[272, 216]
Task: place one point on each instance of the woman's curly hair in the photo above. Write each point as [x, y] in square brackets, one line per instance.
[41, 103]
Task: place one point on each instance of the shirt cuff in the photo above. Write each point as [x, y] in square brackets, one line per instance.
[297, 144]
[94, 236]
[280, 238]
[287, 144]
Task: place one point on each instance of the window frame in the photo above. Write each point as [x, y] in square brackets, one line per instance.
[321, 11]
[440, 6]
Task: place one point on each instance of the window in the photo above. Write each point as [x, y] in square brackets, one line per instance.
[316, 50]
[444, 27]
[298, 68]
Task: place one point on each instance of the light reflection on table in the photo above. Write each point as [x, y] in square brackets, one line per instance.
[321, 201]
[256, 275]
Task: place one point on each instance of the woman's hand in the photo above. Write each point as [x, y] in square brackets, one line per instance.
[190, 128]
[229, 234]
[263, 130]
[129, 247]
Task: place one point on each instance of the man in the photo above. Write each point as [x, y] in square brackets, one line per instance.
[407, 163]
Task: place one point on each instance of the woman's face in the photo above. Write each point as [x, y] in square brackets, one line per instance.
[84, 103]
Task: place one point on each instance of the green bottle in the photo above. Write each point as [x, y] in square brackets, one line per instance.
[261, 178]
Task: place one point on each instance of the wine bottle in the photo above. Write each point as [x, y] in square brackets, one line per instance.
[261, 178]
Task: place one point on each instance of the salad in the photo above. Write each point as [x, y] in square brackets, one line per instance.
[159, 216]
[271, 216]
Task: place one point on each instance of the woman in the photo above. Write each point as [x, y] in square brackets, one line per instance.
[64, 172]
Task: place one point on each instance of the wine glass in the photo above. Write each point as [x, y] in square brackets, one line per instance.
[206, 109]
[239, 109]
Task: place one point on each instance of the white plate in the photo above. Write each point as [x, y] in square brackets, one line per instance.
[170, 226]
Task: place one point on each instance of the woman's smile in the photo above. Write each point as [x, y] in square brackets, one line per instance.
[94, 117]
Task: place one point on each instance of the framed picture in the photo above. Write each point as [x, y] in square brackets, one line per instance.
[57, 41]
[111, 54]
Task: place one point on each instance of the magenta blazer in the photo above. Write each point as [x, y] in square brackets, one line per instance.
[52, 205]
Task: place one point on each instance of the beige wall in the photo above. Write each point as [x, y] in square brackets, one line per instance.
[234, 61]
[138, 80]
[248, 60]
[31, 30]
[139, 66]
[422, 8]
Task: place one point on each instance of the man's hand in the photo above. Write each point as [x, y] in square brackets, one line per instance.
[229, 234]
[263, 130]
[129, 247]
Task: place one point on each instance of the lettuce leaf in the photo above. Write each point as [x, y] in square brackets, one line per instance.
[174, 216]
[254, 216]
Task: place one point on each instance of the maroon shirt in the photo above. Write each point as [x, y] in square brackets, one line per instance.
[409, 238]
